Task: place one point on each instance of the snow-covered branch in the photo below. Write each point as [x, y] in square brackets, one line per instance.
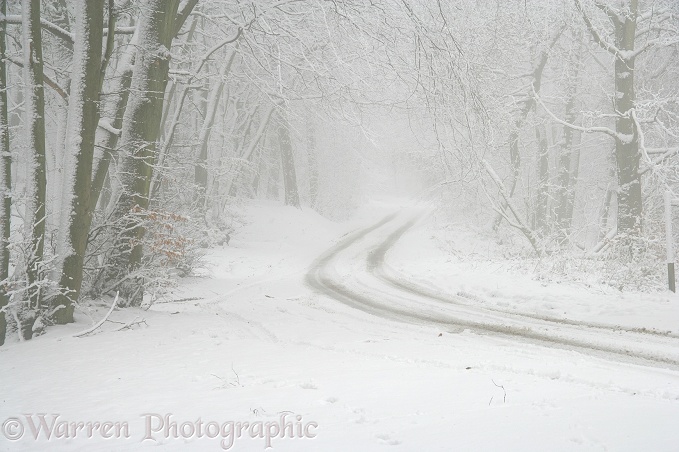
[56, 30]
[605, 130]
[517, 222]
[595, 34]
[105, 123]
[667, 154]
[46, 78]
[100, 322]
[121, 31]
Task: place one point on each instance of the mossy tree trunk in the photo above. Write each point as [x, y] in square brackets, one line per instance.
[141, 129]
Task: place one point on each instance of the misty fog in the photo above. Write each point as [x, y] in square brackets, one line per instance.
[339, 224]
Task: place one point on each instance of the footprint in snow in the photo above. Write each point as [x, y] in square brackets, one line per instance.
[327, 401]
[386, 439]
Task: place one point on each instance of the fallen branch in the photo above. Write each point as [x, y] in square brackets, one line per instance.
[603, 244]
[101, 322]
[179, 300]
[132, 323]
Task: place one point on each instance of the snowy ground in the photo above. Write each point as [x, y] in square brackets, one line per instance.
[255, 343]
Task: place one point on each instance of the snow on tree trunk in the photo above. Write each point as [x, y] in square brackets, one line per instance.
[211, 107]
[83, 118]
[288, 163]
[627, 154]
[535, 83]
[627, 144]
[140, 132]
[252, 146]
[5, 178]
[34, 123]
[568, 155]
[542, 198]
[112, 112]
[312, 160]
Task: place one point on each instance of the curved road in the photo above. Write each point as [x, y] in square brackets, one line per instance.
[353, 272]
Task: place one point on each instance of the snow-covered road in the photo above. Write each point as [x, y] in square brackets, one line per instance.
[396, 365]
[354, 272]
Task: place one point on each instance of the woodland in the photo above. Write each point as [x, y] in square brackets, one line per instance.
[131, 131]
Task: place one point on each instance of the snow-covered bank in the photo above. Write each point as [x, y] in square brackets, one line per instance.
[473, 269]
[251, 343]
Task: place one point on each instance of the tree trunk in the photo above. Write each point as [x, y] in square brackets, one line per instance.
[83, 119]
[312, 161]
[568, 156]
[252, 146]
[244, 120]
[56, 165]
[34, 122]
[514, 155]
[274, 170]
[627, 140]
[627, 144]
[113, 111]
[211, 107]
[140, 132]
[5, 179]
[542, 199]
[287, 163]
[200, 115]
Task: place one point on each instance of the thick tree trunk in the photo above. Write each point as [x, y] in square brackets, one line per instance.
[627, 144]
[141, 126]
[627, 138]
[5, 178]
[34, 122]
[287, 163]
[83, 119]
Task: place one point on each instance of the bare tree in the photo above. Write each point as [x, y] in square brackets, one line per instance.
[567, 170]
[83, 119]
[287, 162]
[5, 178]
[141, 128]
[34, 123]
[620, 42]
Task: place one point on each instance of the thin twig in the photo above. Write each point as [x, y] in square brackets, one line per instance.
[132, 323]
[504, 398]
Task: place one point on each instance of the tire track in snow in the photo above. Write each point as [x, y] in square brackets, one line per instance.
[405, 301]
[376, 265]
